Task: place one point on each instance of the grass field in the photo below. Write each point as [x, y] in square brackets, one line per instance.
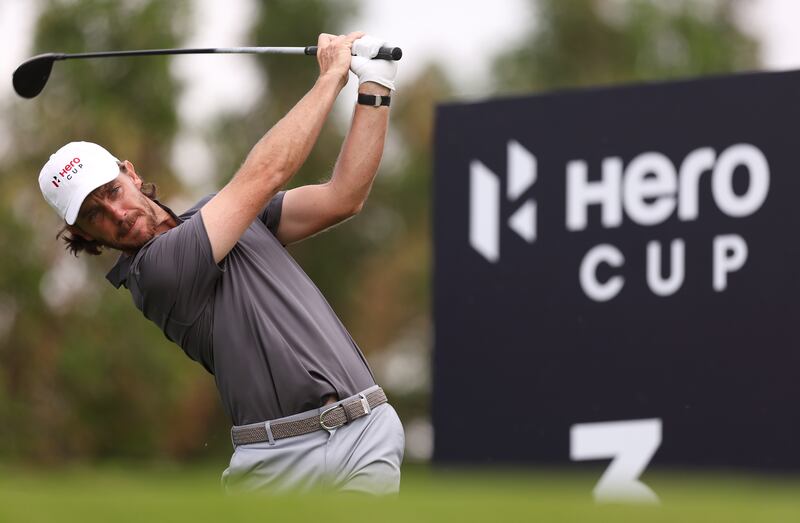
[138, 494]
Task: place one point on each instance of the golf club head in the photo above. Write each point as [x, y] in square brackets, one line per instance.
[30, 77]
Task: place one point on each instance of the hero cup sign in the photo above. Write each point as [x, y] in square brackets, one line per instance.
[649, 190]
[615, 271]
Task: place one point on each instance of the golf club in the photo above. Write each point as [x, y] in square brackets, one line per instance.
[31, 76]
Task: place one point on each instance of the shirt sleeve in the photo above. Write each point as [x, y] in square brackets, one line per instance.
[175, 276]
[271, 214]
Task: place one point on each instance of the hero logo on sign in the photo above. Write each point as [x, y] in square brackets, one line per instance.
[484, 220]
[648, 190]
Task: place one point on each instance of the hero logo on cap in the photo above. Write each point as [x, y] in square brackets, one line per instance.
[68, 170]
[60, 184]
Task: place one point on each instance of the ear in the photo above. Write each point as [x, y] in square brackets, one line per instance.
[130, 171]
[76, 231]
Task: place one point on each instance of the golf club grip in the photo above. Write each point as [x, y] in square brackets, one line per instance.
[385, 53]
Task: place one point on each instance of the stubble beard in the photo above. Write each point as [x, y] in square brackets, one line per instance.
[148, 215]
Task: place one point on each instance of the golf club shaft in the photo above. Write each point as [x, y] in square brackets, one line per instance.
[385, 53]
[31, 76]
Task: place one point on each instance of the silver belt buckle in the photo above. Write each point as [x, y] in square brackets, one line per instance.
[322, 416]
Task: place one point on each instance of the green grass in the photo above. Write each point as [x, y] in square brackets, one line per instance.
[139, 493]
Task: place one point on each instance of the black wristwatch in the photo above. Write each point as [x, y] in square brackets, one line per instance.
[374, 100]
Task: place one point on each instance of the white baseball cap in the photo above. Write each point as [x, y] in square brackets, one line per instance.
[72, 173]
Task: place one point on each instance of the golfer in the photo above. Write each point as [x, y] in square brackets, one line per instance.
[218, 281]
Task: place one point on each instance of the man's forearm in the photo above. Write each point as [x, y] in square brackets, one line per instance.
[362, 150]
[282, 151]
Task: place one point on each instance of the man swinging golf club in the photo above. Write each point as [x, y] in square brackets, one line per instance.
[218, 281]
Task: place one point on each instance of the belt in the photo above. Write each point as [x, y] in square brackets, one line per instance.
[328, 417]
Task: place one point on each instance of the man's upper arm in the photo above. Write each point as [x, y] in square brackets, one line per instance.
[228, 214]
[311, 209]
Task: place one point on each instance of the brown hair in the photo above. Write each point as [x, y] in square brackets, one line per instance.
[76, 244]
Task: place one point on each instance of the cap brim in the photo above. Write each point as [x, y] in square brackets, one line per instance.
[77, 199]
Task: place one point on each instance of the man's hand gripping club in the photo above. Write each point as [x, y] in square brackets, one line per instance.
[381, 72]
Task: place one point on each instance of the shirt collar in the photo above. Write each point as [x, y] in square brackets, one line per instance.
[118, 275]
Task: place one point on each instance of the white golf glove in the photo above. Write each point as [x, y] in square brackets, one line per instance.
[368, 70]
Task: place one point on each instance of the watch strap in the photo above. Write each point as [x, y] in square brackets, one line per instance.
[374, 100]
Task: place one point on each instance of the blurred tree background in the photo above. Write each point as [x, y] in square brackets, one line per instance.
[84, 376]
[596, 42]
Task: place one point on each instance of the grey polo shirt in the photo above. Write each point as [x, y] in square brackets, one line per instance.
[256, 321]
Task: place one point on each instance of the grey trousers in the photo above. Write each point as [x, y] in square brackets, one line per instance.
[362, 456]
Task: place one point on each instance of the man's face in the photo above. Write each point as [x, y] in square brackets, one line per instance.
[117, 214]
